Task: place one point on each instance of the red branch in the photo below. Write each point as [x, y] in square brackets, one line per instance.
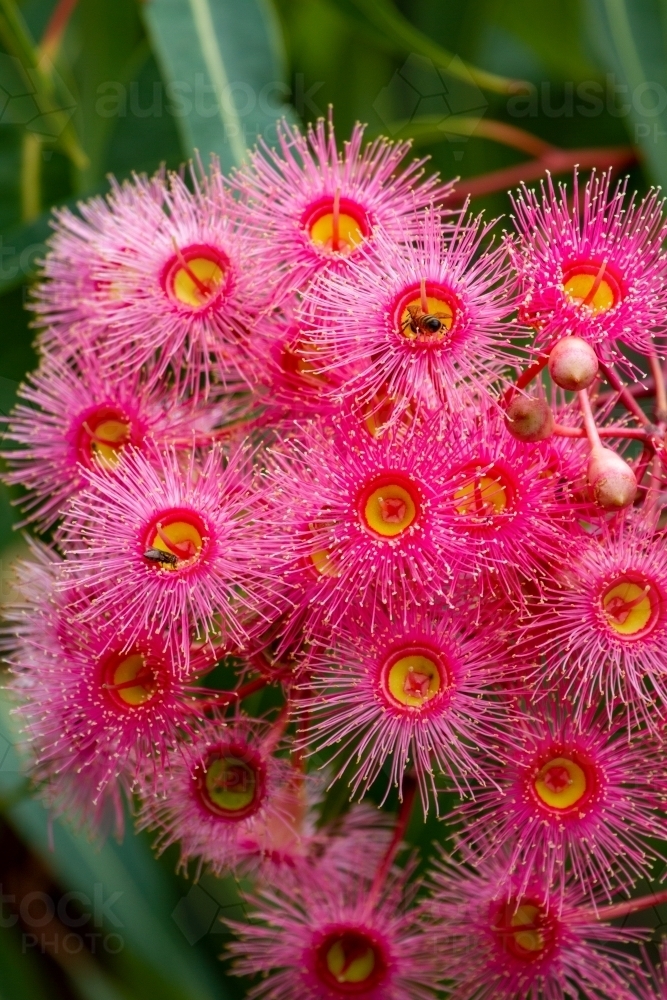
[402, 821]
[558, 161]
[560, 430]
[56, 26]
[225, 698]
[617, 910]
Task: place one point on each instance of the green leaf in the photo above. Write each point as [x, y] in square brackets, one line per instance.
[405, 38]
[630, 38]
[21, 975]
[124, 890]
[110, 36]
[223, 67]
[20, 250]
[553, 31]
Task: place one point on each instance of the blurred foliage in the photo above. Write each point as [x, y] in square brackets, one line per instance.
[131, 85]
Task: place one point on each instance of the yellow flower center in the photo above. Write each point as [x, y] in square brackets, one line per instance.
[561, 784]
[483, 493]
[591, 285]
[350, 962]
[231, 784]
[324, 563]
[131, 681]
[630, 607]
[175, 540]
[103, 436]
[195, 276]
[336, 224]
[524, 929]
[413, 680]
[347, 969]
[428, 320]
[349, 236]
[389, 506]
[323, 559]
[532, 939]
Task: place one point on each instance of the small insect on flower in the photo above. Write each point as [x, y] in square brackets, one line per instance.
[421, 324]
[173, 546]
[158, 556]
[425, 326]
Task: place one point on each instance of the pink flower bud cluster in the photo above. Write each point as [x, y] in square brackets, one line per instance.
[311, 430]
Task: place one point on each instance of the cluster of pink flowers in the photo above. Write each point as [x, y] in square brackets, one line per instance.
[309, 428]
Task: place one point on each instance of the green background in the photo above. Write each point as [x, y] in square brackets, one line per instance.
[491, 90]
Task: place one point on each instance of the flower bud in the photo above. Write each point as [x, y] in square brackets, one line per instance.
[611, 479]
[529, 419]
[573, 364]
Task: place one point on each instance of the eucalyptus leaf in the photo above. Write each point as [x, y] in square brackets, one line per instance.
[630, 38]
[122, 887]
[223, 69]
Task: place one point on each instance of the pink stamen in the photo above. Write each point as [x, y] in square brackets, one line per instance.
[619, 608]
[596, 284]
[422, 293]
[335, 223]
[557, 778]
[205, 288]
[100, 440]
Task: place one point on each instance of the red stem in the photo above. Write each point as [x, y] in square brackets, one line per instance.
[225, 698]
[228, 697]
[589, 420]
[526, 376]
[625, 397]
[55, 29]
[623, 432]
[402, 821]
[616, 910]
[558, 161]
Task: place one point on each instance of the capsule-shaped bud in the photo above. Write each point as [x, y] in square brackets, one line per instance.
[529, 419]
[573, 364]
[612, 481]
